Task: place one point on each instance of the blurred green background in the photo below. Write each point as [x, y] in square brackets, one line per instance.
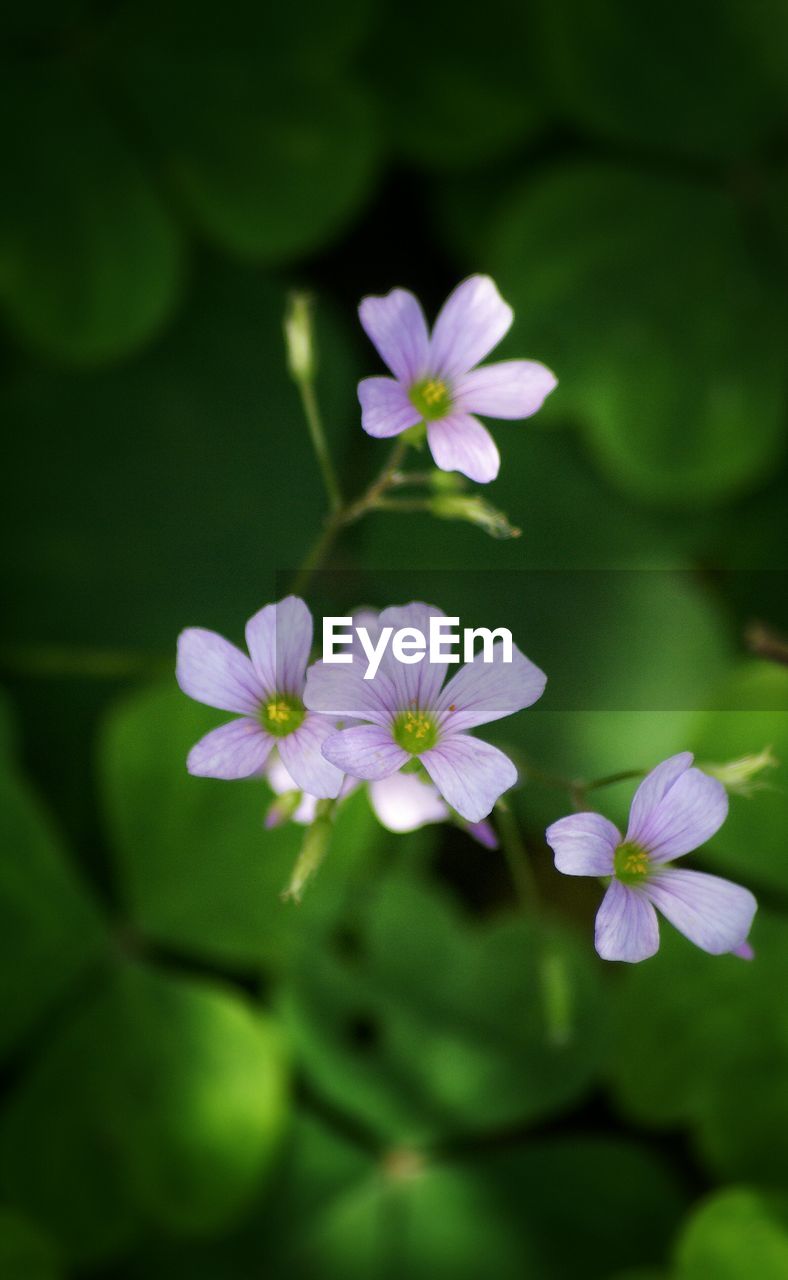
[408, 1075]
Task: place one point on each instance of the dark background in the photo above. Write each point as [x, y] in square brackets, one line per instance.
[410, 1074]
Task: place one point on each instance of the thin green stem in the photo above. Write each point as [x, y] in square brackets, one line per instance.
[314, 422]
[612, 778]
[516, 857]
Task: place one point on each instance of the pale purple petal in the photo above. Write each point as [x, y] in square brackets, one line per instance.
[483, 833]
[626, 925]
[484, 691]
[471, 322]
[470, 774]
[509, 389]
[654, 787]
[234, 750]
[744, 952]
[211, 670]
[341, 690]
[302, 755]
[415, 684]
[405, 802]
[713, 913]
[385, 407]
[584, 844]
[365, 751]
[460, 443]
[687, 816]
[279, 638]
[277, 777]
[395, 324]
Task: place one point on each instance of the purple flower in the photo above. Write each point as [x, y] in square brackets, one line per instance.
[675, 809]
[266, 691]
[412, 716]
[435, 379]
[402, 802]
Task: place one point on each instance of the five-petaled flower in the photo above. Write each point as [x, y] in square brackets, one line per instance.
[266, 691]
[435, 379]
[411, 716]
[675, 809]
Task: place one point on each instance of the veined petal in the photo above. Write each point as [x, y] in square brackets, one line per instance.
[485, 691]
[686, 817]
[279, 638]
[508, 389]
[366, 751]
[460, 443]
[303, 758]
[341, 690]
[395, 324]
[653, 788]
[584, 844]
[234, 750]
[713, 913]
[404, 802]
[211, 670]
[415, 684]
[626, 925]
[470, 774]
[472, 321]
[385, 407]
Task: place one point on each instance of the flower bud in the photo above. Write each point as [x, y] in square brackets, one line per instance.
[282, 809]
[475, 510]
[299, 339]
[738, 776]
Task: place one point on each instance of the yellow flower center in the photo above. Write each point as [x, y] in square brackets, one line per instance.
[630, 863]
[431, 397]
[281, 714]
[415, 731]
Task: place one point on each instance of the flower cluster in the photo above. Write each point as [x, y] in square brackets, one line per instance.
[318, 732]
[405, 718]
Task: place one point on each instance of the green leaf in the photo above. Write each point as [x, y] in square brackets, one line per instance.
[680, 405]
[701, 1040]
[405, 969]
[198, 870]
[269, 157]
[25, 1252]
[754, 715]
[556, 1208]
[700, 80]
[90, 263]
[448, 101]
[165, 1097]
[51, 929]
[736, 1234]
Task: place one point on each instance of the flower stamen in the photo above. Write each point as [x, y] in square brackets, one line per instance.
[630, 863]
[415, 731]
[431, 397]
[281, 714]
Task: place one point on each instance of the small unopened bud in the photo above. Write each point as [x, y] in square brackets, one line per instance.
[313, 850]
[282, 809]
[299, 339]
[475, 510]
[739, 776]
